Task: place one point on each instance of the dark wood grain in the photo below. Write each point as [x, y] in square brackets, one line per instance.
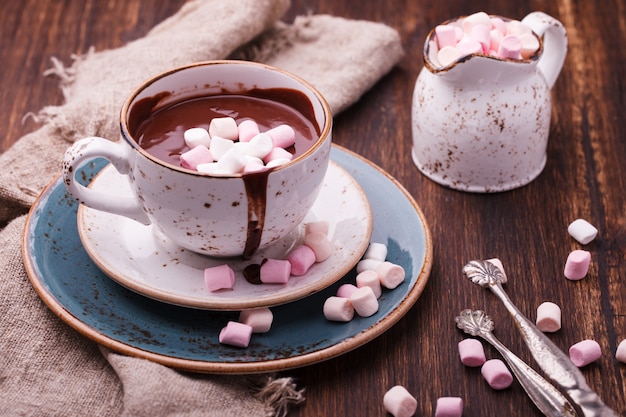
[526, 228]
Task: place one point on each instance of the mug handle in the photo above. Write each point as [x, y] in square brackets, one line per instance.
[554, 44]
[93, 147]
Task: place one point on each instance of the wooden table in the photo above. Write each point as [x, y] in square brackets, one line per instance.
[585, 177]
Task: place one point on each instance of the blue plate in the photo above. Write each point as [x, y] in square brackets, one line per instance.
[72, 286]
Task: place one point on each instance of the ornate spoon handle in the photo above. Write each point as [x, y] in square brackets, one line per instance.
[552, 360]
[546, 397]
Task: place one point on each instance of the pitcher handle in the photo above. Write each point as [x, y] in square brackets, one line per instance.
[554, 44]
[89, 148]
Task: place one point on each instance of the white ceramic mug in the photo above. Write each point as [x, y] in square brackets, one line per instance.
[214, 215]
[482, 123]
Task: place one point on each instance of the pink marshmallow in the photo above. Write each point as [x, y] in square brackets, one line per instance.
[196, 156]
[472, 352]
[219, 277]
[446, 35]
[449, 407]
[376, 251]
[390, 274]
[283, 136]
[469, 47]
[275, 271]
[498, 24]
[510, 47]
[577, 264]
[320, 245]
[247, 130]
[496, 374]
[260, 319]
[399, 402]
[478, 18]
[370, 279]
[364, 302]
[481, 34]
[548, 317]
[301, 259]
[338, 309]
[447, 55]
[236, 334]
[278, 153]
[585, 352]
[196, 136]
[346, 290]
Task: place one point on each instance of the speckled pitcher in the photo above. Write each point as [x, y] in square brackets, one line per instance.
[482, 124]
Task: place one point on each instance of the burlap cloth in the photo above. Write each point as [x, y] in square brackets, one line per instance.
[47, 368]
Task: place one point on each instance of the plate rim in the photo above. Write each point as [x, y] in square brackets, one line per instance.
[228, 304]
[273, 365]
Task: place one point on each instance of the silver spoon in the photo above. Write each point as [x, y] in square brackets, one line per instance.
[552, 360]
[546, 397]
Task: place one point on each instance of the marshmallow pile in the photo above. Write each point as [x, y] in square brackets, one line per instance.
[479, 33]
[227, 148]
[315, 248]
[373, 273]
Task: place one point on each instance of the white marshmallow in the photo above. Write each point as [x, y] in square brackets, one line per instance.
[399, 402]
[478, 18]
[224, 127]
[320, 245]
[219, 146]
[364, 302]
[582, 231]
[377, 251]
[197, 136]
[390, 274]
[447, 55]
[370, 279]
[620, 353]
[321, 226]
[548, 317]
[338, 309]
[277, 162]
[530, 44]
[260, 319]
[261, 145]
[365, 264]
[208, 168]
[232, 162]
[517, 28]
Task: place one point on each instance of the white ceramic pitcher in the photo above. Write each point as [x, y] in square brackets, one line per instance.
[482, 123]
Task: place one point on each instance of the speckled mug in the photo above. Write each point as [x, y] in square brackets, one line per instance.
[208, 214]
[482, 124]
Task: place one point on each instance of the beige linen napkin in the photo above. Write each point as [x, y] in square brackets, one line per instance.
[48, 369]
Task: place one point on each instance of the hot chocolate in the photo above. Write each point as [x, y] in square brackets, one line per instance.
[160, 130]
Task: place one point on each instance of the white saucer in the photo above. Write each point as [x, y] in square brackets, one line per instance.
[135, 257]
